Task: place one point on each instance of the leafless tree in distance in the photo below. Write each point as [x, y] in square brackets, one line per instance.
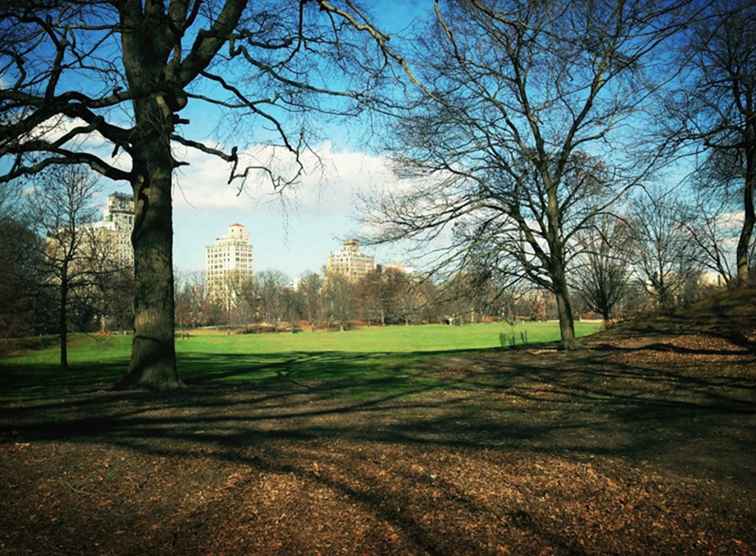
[602, 269]
[524, 129]
[665, 258]
[712, 110]
[62, 209]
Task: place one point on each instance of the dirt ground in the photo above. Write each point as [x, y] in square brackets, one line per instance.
[640, 443]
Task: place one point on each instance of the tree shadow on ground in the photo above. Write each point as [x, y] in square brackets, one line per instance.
[326, 420]
[480, 399]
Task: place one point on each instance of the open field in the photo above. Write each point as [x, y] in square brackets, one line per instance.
[642, 442]
[210, 356]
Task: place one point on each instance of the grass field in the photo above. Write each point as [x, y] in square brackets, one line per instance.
[374, 352]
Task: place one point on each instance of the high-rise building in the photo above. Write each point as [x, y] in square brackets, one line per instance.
[114, 230]
[228, 261]
[349, 262]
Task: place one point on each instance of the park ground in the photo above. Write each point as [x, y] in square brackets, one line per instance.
[416, 440]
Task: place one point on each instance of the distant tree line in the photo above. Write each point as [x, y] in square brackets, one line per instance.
[649, 254]
[330, 300]
[608, 286]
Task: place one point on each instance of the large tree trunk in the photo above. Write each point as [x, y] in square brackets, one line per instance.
[746, 232]
[153, 352]
[557, 266]
[606, 315]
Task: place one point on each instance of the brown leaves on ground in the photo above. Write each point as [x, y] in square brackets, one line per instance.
[348, 498]
[636, 445]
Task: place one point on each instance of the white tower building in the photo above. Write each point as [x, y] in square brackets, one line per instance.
[350, 262]
[228, 261]
[114, 230]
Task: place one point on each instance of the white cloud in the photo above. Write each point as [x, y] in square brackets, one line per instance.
[331, 182]
[56, 127]
[731, 220]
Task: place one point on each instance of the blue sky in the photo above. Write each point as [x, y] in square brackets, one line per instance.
[293, 233]
[297, 231]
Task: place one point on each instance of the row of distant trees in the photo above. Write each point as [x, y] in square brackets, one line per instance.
[657, 257]
[330, 300]
[669, 246]
[57, 274]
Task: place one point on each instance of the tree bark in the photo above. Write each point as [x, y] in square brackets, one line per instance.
[566, 320]
[153, 352]
[746, 232]
[557, 266]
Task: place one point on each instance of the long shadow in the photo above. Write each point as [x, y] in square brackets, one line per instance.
[573, 405]
[668, 348]
[307, 386]
[283, 413]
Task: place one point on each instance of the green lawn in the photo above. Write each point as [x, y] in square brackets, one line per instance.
[375, 357]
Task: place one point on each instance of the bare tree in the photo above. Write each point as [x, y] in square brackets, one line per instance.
[602, 269]
[270, 285]
[191, 299]
[664, 255]
[519, 93]
[121, 71]
[61, 207]
[713, 109]
[292, 303]
[338, 299]
[310, 287]
[713, 227]
[413, 298]
[382, 295]
[230, 294]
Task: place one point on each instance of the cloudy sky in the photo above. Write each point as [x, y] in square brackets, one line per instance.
[293, 232]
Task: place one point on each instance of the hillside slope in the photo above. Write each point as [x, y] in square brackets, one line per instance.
[726, 318]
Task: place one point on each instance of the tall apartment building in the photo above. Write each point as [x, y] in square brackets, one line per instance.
[114, 230]
[228, 260]
[349, 262]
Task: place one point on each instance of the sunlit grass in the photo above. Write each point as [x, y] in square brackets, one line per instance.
[378, 355]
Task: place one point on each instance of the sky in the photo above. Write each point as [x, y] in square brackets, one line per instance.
[294, 232]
